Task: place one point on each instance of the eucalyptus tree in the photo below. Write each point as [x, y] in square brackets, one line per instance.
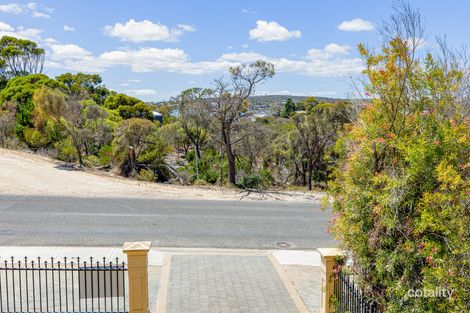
[316, 131]
[192, 117]
[20, 57]
[228, 106]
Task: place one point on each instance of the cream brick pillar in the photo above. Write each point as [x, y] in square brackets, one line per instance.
[137, 270]
[328, 261]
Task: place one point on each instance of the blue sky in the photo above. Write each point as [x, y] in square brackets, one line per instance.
[155, 49]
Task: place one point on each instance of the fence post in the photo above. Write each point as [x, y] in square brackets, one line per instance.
[137, 269]
[328, 261]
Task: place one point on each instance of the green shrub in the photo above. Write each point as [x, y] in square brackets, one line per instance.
[65, 150]
[401, 188]
[250, 181]
[212, 177]
[105, 155]
[146, 175]
[35, 138]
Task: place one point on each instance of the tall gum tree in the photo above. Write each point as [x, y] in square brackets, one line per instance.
[228, 105]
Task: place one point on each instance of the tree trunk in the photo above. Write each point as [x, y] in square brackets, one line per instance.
[304, 174]
[310, 171]
[232, 172]
[231, 165]
[86, 148]
[78, 148]
[198, 151]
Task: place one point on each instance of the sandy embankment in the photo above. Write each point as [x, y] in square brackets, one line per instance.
[22, 173]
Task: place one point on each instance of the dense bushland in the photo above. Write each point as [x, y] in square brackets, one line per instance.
[215, 135]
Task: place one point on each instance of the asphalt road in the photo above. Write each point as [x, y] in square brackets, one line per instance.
[66, 221]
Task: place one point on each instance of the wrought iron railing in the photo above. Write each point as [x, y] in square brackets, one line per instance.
[348, 297]
[66, 285]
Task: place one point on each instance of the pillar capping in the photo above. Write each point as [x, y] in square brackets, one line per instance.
[136, 246]
[330, 252]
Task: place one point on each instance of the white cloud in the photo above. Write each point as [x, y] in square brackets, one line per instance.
[50, 41]
[250, 12]
[68, 28]
[328, 51]
[245, 45]
[30, 7]
[331, 60]
[69, 51]
[244, 57]
[141, 92]
[135, 31]
[187, 28]
[40, 15]
[20, 32]
[134, 80]
[4, 27]
[272, 31]
[11, 8]
[356, 25]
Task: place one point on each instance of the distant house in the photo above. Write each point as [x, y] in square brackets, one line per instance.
[157, 116]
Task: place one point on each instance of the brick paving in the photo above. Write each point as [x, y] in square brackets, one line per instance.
[226, 284]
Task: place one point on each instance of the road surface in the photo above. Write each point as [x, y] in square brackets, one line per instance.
[72, 221]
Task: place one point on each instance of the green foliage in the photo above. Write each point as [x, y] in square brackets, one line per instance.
[307, 104]
[146, 175]
[114, 101]
[259, 180]
[401, 186]
[140, 110]
[128, 107]
[65, 150]
[20, 90]
[105, 155]
[250, 181]
[82, 85]
[288, 109]
[35, 138]
[20, 57]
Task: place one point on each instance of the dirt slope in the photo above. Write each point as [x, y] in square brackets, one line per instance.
[23, 173]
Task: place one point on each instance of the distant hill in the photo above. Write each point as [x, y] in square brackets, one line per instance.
[269, 104]
[279, 99]
[272, 104]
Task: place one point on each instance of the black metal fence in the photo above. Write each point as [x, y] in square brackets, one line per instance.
[66, 285]
[350, 298]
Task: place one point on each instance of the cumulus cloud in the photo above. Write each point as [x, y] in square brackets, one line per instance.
[68, 51]
[68, 28]
[272, 31]
[356, 25]
[331, 60]
[20, 32]
[4, 27]
[141, 92]
[30, 7]
[328, 51]
[140, 31]
[11, 8]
